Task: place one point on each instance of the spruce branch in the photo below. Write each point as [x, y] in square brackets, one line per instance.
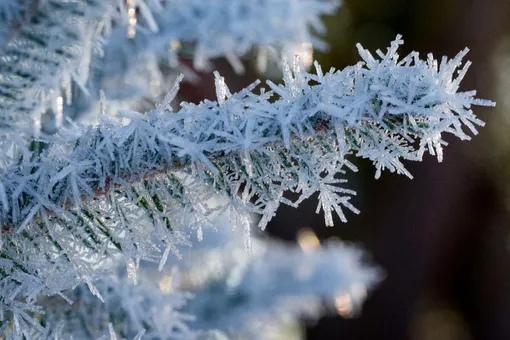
[131, 309]
[169, 31]
[137, 189]
[43, 51]
[61, 45]
[226, 290]
[375, 109]
[277, 283]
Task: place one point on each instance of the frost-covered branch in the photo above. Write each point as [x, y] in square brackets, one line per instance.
[136, 189]
[276, 284]
[43, 51]
[132, 309]
[232, 28]
[61, 43]
[376, 109]
[139, 67]
[242, 295]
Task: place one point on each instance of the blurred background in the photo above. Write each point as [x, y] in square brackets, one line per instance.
[443, 239]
